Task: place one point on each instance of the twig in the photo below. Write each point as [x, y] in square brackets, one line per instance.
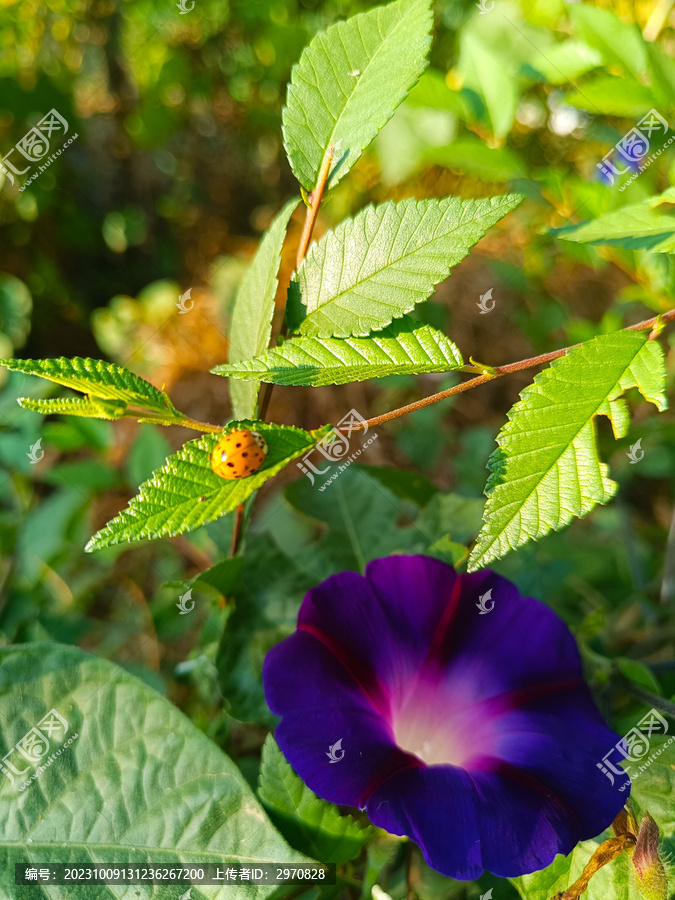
[498, 371]
[315, 198]
[236, 532]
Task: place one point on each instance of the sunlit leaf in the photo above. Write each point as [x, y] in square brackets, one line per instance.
[254, 309]
[404, 348]
[376, 267]
[349, 81]
[546, 469]
[186, 493]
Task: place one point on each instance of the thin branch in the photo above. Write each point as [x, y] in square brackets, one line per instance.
[315, 199]
[653, 325]
[236, 531]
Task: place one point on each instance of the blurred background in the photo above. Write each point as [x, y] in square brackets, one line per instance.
[176, 170]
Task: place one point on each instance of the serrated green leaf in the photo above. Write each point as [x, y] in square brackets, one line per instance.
[95, 377]
[376, 267]
[186, 493]
[404, 348]
[76, 406]
[349, 81]
[640, 226]
[137, 783]
[546, 470]
[308, 823]
[254, 309]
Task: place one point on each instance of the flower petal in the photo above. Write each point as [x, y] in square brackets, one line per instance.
[321, 703]
[436, 808]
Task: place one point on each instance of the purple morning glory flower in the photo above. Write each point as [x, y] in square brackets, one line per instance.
[468, 728]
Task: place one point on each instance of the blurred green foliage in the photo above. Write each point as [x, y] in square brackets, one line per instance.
[177, 169]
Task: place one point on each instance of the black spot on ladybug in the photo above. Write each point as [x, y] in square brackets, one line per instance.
[231, 465]
[244, 453]
[238, 445]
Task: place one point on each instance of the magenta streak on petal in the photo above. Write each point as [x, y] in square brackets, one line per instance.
[362, 674]
[444, 623]
[519, 697]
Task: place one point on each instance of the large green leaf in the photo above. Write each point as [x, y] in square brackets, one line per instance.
[611, 881]
[349, 81]
[186, 493]
[546, 469]
[376, 267]
[406, 347]
[137, 783]
[612, 96]
[254, 310]
[312, 825]
[641, 226]
[96, 378]
[619, 43]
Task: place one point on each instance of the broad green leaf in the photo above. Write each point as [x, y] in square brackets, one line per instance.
[406, 347]
[654, 788]
[617, 41]
[349, 81]
[97, 378]
[471, 155]
[546, 470]
[90, 407]
[186, 493]
[137, 783]
[613, 881]
[254, 309]
[641, 226]
[561, 63]
[308, 823]
[376, 267]
[362, 518]
[612, 96]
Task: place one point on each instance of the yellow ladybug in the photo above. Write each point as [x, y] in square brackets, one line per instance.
[239, 454]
